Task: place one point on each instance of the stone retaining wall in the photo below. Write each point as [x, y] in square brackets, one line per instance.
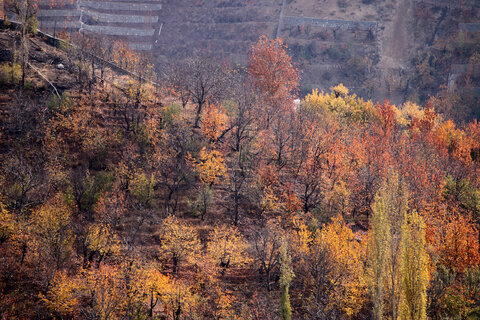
[117, 31]
[149, 7]
[120, 18]
[133, 21]
[330, 24]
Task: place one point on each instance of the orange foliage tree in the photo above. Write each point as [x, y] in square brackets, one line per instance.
[273, 72]
[456, 240]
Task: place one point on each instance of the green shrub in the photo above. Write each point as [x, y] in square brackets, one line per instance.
[199, 206]
[87, 191]
[28, 85]
[170, 112]
[60, 105]
[141, 187]
[32, 25]
[7, 72]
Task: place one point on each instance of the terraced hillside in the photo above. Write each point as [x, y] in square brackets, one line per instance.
[376, 48]
[226, 28]
[136, 22]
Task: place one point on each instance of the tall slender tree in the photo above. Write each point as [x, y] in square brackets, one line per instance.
[378, 252]
[286, 276]
[390, 209]
[414, 270]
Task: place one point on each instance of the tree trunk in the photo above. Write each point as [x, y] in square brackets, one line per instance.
[175, 264]
[199, 113]
[267, 275]
[237, 203]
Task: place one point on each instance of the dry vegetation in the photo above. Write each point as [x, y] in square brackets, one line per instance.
[211, 195]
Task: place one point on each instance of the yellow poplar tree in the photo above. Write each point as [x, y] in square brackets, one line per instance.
[210, 166]
[414, 270]
[61, 297]
[390, 209]
[378, 254]
[286, 276]
[102, 241]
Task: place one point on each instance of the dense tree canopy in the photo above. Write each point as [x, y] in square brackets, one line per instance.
[213, 196]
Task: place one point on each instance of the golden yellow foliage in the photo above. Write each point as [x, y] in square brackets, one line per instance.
[340, 90]
[348, 256]
[210, 166]
[8, 227]
[106, 290]
[102, 240]
[227, 246]
[269, 201]
[62, 296]
[51, 225]
[407, 113]
[102, 289]
[338, 102]
[414, 270]
[302, 238]
[180, 302]
[179, 241]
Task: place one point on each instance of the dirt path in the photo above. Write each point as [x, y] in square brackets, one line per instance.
[394, 50]
[280, 18]
[394, 45]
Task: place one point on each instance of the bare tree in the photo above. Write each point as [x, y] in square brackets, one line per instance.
[199, 80]
[267, 250]
[80, 55]
[25, 11]
[242, 131]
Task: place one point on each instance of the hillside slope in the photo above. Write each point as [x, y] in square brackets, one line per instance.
[326, 37]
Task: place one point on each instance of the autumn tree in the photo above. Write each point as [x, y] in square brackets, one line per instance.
[127, 290]
[61, 298]
[179, 241]
[211, 169]
[214, 124]
[332, 268]
[199, 80]
[456, 240]
[267, 244]
[80, 58]
[210, 166]
[153, 286]
[378, 254]
[7, 224]
[273, 73]
[23, 181]
[111, 206]
[414, 269]
[213, 299]
[286, 276]
[101, 292]
[179, 301]
[173, 171]
[318, 165]
[25, 11]
[227, 247]
[390, 209]
[53, 230]
[244, 150]
[100, 242]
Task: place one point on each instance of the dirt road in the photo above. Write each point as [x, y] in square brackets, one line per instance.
[394, 49]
